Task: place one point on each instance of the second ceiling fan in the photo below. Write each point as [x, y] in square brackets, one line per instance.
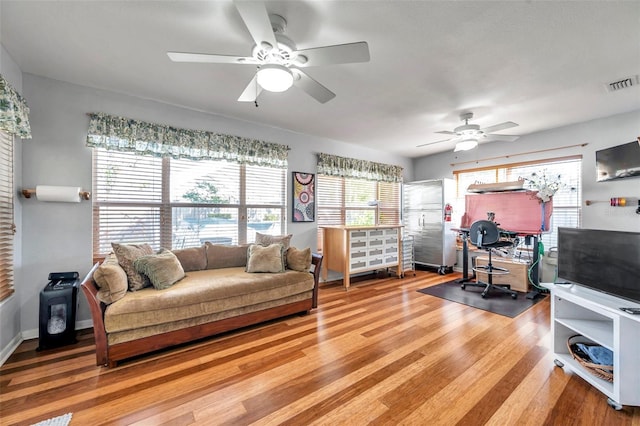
[468, 135]
[278, 61]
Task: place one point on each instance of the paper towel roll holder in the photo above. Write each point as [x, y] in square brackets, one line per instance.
[84, 195]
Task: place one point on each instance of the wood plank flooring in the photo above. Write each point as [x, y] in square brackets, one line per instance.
[380, 354]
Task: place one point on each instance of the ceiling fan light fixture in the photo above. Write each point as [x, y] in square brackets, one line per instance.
[466, 145]
[275, 77]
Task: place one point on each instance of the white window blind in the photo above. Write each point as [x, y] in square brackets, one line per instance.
[566, 202]
[7, 226]
[345, 201]
[177, 203]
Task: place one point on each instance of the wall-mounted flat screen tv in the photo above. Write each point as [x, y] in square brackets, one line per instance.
[618, 162]
[608, 261]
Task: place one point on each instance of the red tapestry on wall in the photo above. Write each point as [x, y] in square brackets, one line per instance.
[520, 211]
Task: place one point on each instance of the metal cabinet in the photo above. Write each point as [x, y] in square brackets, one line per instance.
[434, 241]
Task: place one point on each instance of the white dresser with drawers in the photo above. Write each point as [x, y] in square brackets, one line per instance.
[355, 249]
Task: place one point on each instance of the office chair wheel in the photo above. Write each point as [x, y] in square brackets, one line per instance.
[484, 295]
[514, 296]
[462, 286]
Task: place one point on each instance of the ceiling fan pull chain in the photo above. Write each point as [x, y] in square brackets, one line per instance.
[257, 94]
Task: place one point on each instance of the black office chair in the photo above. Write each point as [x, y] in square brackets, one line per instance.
[485, 235]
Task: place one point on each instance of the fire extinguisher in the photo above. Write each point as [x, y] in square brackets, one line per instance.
[447, 212]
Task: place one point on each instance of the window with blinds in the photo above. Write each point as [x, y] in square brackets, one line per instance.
[7, 226]
[179, 203]
[345, 201]
[566, 202]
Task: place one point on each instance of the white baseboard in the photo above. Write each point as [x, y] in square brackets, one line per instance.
[84, 324]
[10, 348]
[33, 334]
[30, 334]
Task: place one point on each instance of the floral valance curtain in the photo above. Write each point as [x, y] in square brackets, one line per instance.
[14, 112]
[125, 134]
[359, 169]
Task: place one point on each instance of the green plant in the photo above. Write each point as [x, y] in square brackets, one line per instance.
[205, 193]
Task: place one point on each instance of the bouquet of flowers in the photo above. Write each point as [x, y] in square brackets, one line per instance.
[546, 186]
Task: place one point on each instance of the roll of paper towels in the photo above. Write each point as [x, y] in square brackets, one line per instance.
[62, 194]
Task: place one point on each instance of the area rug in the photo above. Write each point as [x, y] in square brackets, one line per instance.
[56, 421]
[496, 302]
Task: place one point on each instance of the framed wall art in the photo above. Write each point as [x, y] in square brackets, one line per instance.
[304, 206]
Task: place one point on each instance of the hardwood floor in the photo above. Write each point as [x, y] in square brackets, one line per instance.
[380, 354]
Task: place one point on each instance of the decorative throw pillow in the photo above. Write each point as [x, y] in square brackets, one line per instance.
[265, 240]
[163, 269]
[126, 254]
[111, 279]
[265, 258]
[192, 258]
[299, 260]
[223, 256]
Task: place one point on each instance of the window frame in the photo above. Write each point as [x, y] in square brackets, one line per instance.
[343, 208]
[166, 206]
[548, 238]
[7, 218]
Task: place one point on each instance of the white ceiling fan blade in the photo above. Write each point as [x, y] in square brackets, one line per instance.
[498, 127]
[501, 138]
[255, 17]
[433, 143]
[251, 92]
[312, 87]
[338, 54]
[206, 58]
[446, 132]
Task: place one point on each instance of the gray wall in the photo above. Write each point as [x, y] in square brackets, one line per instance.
[597, 134]
[10, 308]
[57, 236]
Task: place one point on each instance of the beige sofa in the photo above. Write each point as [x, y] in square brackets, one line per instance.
[217, 293]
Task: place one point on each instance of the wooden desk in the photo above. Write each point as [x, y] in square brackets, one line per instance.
[354, 249]
[517, 277]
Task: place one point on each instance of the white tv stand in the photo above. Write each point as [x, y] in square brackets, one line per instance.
[597, 316]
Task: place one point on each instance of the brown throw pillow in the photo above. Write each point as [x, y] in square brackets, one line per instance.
[223, 256]
[163, 269]
[192, 258]
[126, 254]
[265, 240]
[299, 260]
[111, 279]
[265, 259]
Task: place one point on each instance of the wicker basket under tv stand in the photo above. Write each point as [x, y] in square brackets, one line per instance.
[597, 316]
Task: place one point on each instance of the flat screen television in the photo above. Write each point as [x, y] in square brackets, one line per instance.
[618, 162]
[608, 261]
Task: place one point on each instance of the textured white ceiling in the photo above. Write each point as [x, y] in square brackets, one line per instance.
[541, 64]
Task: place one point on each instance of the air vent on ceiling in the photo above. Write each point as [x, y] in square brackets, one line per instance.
[625, 83]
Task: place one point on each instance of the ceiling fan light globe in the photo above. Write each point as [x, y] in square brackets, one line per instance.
[275, 77]
[466, 145]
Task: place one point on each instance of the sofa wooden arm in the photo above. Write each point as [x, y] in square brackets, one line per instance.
[96, 307]
[316, 261]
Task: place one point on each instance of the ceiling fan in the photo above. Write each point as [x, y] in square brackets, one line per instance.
[468, 135]
[278, 61]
